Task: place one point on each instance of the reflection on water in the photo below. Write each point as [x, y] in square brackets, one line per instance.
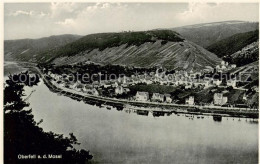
[217, 118]
[125, 135]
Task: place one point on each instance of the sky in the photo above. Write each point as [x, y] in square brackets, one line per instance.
[36, 20]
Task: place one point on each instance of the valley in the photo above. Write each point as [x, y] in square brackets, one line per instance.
[122, 82]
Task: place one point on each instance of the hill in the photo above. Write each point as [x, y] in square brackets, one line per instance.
[28, 49]
[140, 49]
[233, 43]
[102, 41]
[246, 55]
[209, 33]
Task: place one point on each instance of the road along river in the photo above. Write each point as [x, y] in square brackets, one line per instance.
[114, 136]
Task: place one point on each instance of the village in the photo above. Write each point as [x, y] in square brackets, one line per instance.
[121, 87]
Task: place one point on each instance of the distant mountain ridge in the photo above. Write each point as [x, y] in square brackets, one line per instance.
[139, 49]
[23, 49]
[209, 33]
[212, 24]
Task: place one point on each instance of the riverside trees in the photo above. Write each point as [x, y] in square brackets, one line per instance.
[23, 136]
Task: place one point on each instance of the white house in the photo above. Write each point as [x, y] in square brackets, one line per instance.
[255, 88]
[188, 86]
[219, 99]
[244, 97]
[79, 87]
[49, 73]
[119, 90]
[122, 79]
[95, 84]
[168, 98]
[208, 69]
[232, 83]
[158, 97]
[190, 100]
[124, 85]
[87, 88]
[107, 84]
[115, 84]
[60, 83]
[95, 92]
[217, 82]
[148, 80]
[206, 83]
[233, 65]
[226, 63]
[126, 90]
[223, 67]
[142, 96]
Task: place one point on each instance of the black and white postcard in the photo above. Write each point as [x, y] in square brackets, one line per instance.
[130, 82]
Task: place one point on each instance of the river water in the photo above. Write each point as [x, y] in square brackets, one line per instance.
[118, 137]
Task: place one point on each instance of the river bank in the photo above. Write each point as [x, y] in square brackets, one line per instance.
[166, 107]
[119, 136]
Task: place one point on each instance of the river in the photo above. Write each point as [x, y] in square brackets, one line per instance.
[118, 137]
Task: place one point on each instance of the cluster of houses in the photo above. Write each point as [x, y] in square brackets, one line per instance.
[120, 85]
[156, 97]
[179, 78]
[224, 66]
[63, 81]
[218, 98]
